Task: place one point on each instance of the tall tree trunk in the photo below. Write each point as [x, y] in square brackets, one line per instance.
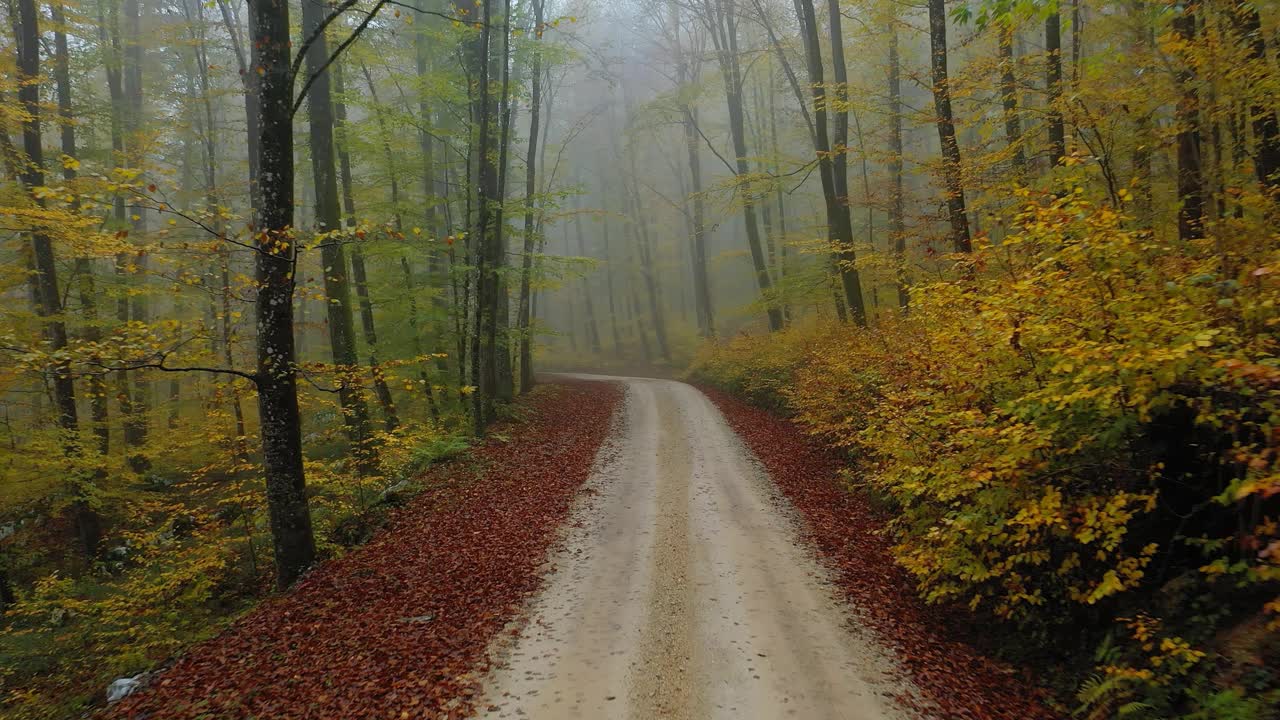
[689, 125]
[1141, 155]
[952, 178]
[839, 227]
[435, 210]
[109, 37]
[1187, 114]
[1262, 115]
[45, 276]
[333, 257]
[1053, 85]
[897, 213]
[359, 273]
[523, 315]
[276, 260]
[213, 205]
[481, 236]
[136, 427]
[499, 330]
[1009, 97]
[722, 20]
[97, 386]
[849, 277]
[775, 151]
[249, 79]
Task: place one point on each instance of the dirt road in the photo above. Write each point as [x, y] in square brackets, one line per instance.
[683, 590]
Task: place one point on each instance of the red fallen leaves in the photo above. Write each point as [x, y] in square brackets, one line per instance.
[957, 680]
[398, 628]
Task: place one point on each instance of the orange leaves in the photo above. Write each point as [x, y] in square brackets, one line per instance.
[397, 626]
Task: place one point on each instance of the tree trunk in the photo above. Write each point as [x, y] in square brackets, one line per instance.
[337, 290]
[499, 330]
[276, 259]
[688, 121]
[109, 37]
[839, 227]
[481, 236]
[359, 274]
[953, 182]
[523, 316]
[1262, 116]
[98, 408]
[45, 275]
[136, 427]
[724, 34]
[1009, 98]
[213, 203]
[1053, 85]
[249, 79]
[849, 277]
[897, 213]
[1187, 114]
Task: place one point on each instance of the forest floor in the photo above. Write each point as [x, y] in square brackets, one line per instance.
[398, 627]
[635, 549]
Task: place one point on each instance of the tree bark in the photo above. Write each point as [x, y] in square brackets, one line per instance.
[849, 276]
[276, 259]
[1053, 84]
[97, 386]
[1009, 97]
[897, 213]
[1262, 116]
[1187, 114]
[45, 276]
[839, 226]
[722, 22]
[953, 182]
[137, 423]
[688, 122]
[359, 273]
[333, 257]
[523, 315]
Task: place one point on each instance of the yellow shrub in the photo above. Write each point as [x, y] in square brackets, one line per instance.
[1020, 417]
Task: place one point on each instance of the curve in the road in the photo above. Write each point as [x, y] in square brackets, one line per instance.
[683, 590]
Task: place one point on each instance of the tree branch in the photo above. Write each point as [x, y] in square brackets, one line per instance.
[355, 34]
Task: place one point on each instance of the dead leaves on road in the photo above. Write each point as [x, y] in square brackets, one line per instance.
[958, 681]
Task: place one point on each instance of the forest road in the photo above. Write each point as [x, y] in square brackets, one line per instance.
[683, 589]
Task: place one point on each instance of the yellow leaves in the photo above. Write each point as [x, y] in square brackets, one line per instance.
[70, 163]
[1007, 415]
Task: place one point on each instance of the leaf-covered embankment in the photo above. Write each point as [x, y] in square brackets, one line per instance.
[961, 681]
[401, 624]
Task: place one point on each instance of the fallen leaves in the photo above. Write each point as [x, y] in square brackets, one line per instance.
[957, 680]
[399, 627]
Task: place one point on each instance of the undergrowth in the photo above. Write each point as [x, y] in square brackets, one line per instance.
[1077, 437]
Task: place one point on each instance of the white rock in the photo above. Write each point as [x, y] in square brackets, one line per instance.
[121, 688]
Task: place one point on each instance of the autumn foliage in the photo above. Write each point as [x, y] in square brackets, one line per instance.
[1079, 426]
[400, 624]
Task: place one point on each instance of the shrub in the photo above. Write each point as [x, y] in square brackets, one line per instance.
[1082, 413]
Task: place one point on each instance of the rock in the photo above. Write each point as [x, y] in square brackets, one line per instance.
[121, 688]
[392, 493]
